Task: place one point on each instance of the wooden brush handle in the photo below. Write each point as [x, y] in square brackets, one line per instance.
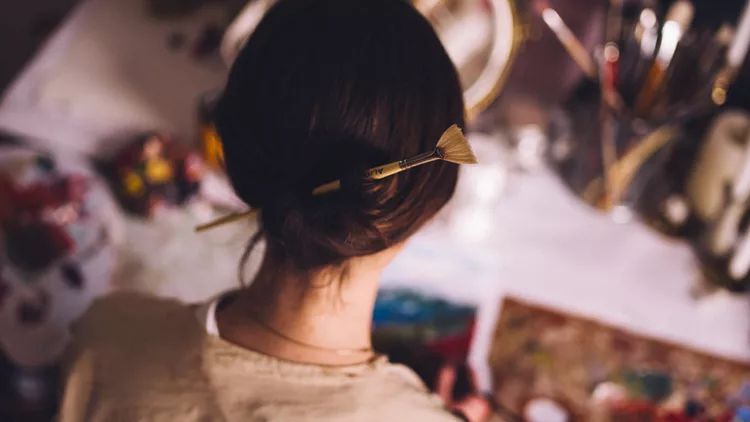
[382, 172]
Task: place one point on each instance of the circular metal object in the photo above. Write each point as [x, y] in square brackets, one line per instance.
[480, 36]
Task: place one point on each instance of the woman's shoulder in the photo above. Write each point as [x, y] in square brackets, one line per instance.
[131, 306]
[396, 393]
[133, 317]
[142, 354]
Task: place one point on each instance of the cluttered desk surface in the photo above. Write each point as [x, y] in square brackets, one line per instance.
[95, 79]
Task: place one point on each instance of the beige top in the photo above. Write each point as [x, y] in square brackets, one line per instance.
[138, 358]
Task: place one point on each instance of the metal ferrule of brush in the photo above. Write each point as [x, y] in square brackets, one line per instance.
[420, 159]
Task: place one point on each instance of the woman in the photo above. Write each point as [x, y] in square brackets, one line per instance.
[323, 90]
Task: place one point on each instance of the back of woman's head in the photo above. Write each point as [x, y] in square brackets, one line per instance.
[323, 90]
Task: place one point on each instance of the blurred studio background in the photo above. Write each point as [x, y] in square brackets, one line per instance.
[593, 267]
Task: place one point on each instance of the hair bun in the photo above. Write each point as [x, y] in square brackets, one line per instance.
[367, 85]
[316, 231]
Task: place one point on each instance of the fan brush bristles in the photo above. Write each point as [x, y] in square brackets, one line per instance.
[455, 147]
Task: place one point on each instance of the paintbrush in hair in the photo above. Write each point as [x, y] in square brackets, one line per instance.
[452, 147]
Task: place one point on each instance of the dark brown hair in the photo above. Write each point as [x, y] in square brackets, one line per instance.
[323, 90]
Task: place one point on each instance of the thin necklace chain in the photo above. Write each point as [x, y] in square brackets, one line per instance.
[339, 352]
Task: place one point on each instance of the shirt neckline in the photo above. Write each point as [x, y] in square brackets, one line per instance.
[270, 365]
[206, 314]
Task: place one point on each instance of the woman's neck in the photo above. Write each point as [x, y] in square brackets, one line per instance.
[306, 319]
